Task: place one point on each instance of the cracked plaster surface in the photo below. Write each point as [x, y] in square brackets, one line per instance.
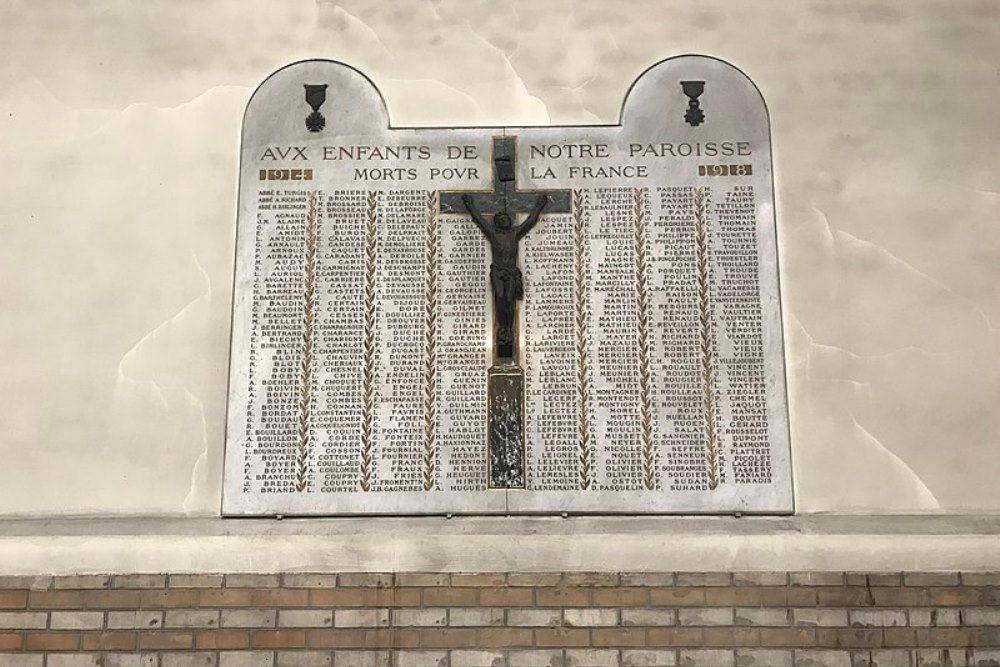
[119, 131]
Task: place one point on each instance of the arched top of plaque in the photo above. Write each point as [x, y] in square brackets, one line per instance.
[721, 91]
[335, 99]
[734, 97]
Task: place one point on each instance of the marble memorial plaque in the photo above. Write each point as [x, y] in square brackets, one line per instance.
[623, 354]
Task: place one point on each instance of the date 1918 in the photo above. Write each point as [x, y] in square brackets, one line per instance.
[725, 170]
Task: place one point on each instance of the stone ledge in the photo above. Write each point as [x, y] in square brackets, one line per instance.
[497, 544]
[804, 524]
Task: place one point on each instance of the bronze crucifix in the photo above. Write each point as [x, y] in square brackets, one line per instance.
[505, 276]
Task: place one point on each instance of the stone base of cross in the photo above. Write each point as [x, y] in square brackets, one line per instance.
[505, 380]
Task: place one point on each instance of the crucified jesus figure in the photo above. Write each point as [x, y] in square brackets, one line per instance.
[505, 276]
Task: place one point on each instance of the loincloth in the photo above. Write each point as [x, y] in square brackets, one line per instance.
[508, 279]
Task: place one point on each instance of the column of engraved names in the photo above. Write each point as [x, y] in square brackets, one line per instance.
[463, 354]
[551, 410]
[336, 417]
[615, 355]
[276, 351]
[264, 200]
[742, 362]
[678, 345]
[401, 345]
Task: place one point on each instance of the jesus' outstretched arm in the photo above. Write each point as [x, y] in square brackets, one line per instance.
[477, 218]
[526, 226]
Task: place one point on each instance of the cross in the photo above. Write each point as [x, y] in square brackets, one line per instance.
[505, 379]
[505, 198]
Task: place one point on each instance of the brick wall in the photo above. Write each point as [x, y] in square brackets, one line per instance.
[765, 619]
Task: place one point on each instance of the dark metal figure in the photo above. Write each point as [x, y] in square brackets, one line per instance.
[505, 276]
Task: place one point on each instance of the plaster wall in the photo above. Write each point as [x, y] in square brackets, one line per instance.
[119, 139]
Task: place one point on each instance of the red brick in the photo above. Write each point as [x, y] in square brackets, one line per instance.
[899, 637]
[115, 599]
[986, 636]
[504, 637]
[165, 640]
[732, 637]
[280, 597]
[109, 641]
[336, 597]
[801, 597]
[787, 637]
[955, 596]
[562, 597]
[448, 637]
[945, 637]
[336, 638]
[506, 597]
[675, 637]
[849, 637]
[160, 599]
[732, 597]
[616, 637]
[10, 641]
[369, 597]
[14, 599]
[561, 637]
[222, 639]
[451, 597]
[226, 597]
[278, 638]
[51, 600]
[771, 596]
[843, 597]
[52, 641]
[621, 597]
[402, 638]
[370, 638]
[393, 597]
[990, 596]
[897, 597]
[379, 638]
[677, 597]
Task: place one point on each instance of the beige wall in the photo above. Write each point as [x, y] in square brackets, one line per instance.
[118, 139]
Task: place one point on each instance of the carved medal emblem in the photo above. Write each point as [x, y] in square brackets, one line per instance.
[315, 96]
